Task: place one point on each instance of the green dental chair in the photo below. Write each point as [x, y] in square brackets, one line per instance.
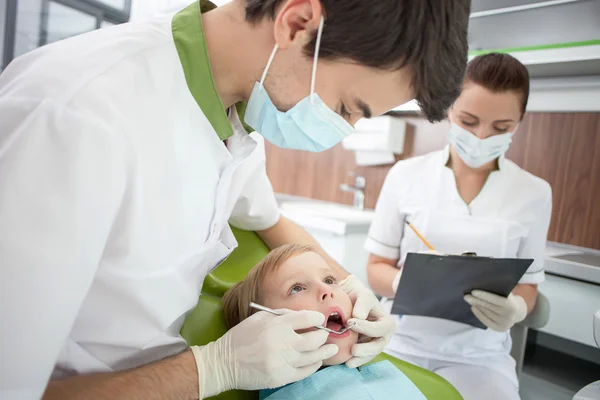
[205, 323]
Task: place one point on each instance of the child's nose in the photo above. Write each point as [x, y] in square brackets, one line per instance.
[326, 292]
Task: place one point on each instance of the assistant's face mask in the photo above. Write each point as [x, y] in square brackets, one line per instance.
[310, 125]
[474, 151]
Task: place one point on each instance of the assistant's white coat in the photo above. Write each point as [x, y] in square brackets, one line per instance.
[509, 218]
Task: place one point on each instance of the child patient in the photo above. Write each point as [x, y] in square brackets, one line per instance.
[295, 277]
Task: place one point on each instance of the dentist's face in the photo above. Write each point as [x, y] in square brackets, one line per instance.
[485, 113]
[305, 282]
[353, 91]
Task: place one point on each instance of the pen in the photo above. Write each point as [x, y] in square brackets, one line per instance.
[419, 235]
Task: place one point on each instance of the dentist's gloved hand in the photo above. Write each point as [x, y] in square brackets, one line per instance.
[370, 320]
[263, 351]
[497, 312]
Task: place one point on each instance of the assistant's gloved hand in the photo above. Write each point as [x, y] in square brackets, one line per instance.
[262, 352]
[370, 320]
[497, 312]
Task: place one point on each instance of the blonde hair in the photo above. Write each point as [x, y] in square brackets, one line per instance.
[237, 299]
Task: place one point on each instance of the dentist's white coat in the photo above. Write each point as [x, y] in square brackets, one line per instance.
[115, 197]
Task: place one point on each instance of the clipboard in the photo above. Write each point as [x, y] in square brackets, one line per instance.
[434, 285]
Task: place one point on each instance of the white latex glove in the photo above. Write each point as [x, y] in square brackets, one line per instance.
[497, 312]
[380, 326]
[262, 352]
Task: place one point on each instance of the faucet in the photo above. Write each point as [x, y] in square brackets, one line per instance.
[357, 189]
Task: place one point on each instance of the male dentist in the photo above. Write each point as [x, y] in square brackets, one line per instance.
[124, 158]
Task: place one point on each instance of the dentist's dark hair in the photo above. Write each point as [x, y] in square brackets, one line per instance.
[429, 36]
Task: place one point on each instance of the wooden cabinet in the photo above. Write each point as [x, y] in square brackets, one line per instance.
[562, 148]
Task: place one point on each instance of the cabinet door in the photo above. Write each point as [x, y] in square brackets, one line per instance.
[510, 24]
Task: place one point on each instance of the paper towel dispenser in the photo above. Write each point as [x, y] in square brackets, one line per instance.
[377, 140]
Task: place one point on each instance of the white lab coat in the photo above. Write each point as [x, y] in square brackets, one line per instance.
[115, 198]
[508, 218]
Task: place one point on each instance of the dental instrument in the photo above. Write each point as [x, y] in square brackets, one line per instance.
[270, 310]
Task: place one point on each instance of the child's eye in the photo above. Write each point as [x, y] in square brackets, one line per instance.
[330, 280]
[295, 289]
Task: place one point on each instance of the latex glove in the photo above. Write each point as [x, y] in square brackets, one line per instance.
[497, 312]
[263, 351]
[370, 320]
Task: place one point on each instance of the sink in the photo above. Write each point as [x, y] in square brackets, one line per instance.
[336, 218]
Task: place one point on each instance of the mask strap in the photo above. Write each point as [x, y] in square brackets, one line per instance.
[316, 58]
[264, 75]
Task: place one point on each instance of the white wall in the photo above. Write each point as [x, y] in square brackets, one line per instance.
[141, 9]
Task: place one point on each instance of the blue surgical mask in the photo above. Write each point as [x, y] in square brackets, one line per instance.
[474, 151]
[310, 125]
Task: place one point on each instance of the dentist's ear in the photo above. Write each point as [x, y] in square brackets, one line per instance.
[296, 22]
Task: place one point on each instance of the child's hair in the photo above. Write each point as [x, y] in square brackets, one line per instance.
[236, 301]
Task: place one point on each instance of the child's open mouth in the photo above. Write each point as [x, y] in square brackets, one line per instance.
[336, 322]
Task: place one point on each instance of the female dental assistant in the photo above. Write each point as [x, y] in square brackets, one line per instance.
[467, 197]
[123, 159]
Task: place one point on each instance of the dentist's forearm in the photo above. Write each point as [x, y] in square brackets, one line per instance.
[287, 231]
[174, 378]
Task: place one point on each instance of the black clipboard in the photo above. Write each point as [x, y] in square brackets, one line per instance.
[435, 285]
